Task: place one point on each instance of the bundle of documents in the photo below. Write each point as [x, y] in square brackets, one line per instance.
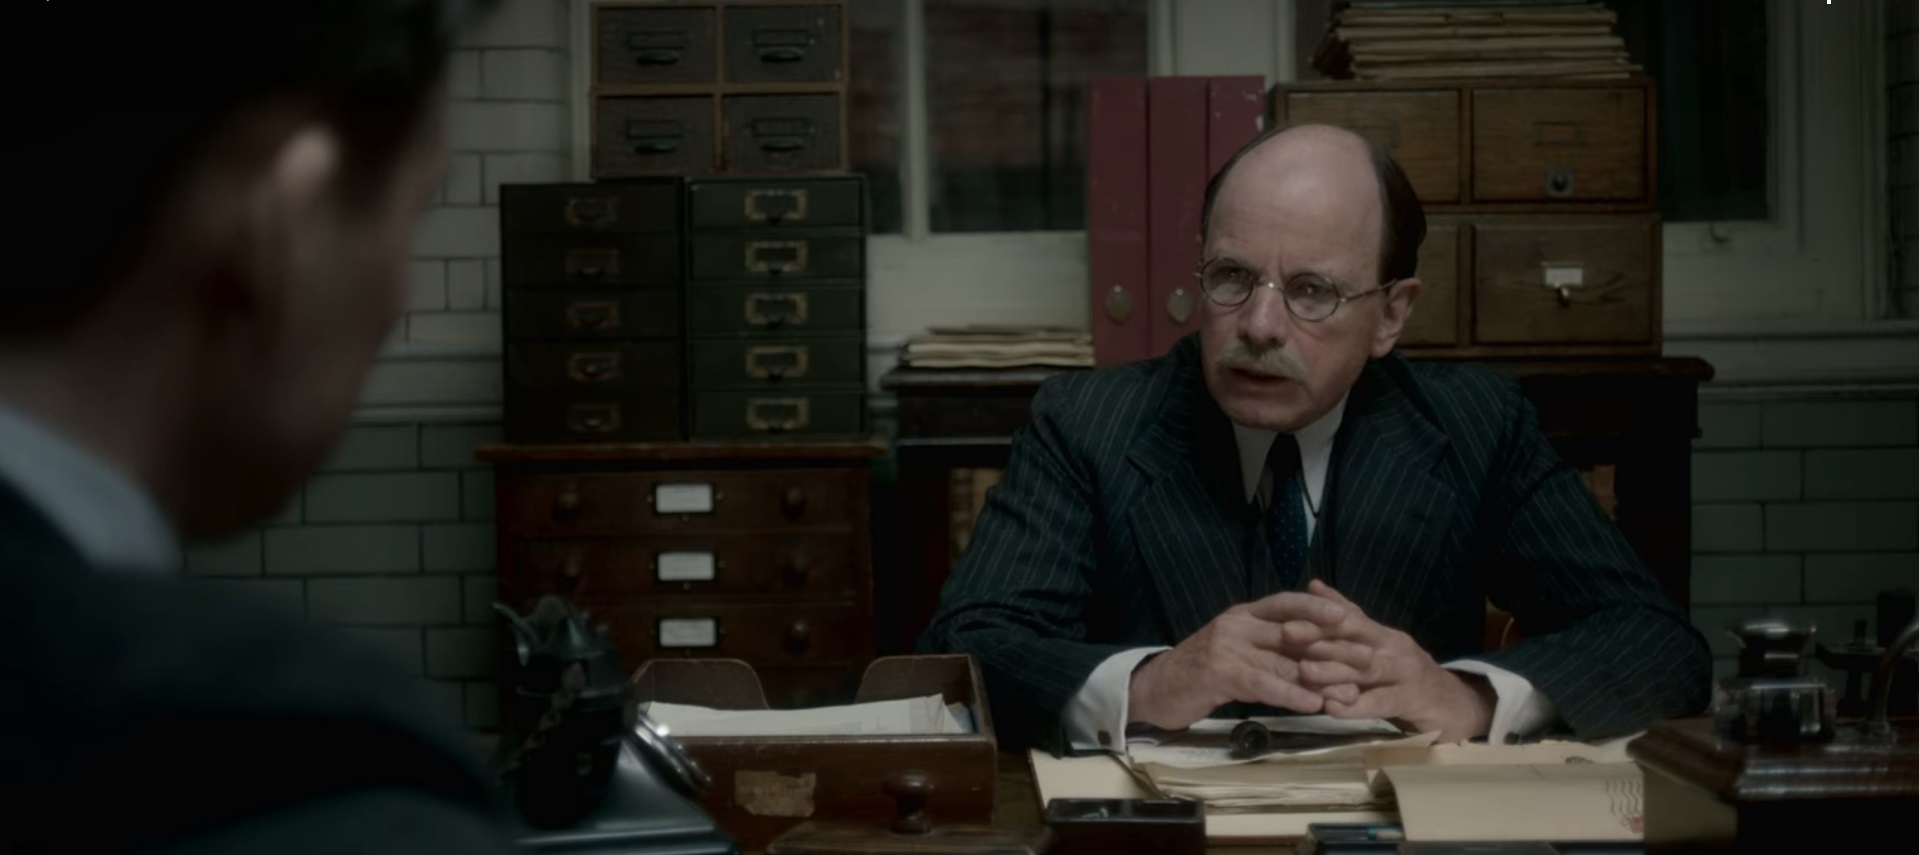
[1414, 40]
[927, 715]
[1319, 764]
[999, 347]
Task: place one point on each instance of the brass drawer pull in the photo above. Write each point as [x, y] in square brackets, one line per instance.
[777, 362]
[799, 636]
[592, 263]
[593, 418]
[772, 205]
[593, 315]
[656, 47]
[593, 367]
[776, 415]
[774, 257]
[775, 310]
[793, 504]
[591, 211]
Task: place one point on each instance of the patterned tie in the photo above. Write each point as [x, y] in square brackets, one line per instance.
[1285, 524]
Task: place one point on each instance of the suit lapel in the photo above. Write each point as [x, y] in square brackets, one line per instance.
[1390, 508]
[1190, 522]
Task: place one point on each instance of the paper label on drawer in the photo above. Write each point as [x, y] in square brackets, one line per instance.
[689, 632]
[686, 567]
[1564, 275]
[683, 498]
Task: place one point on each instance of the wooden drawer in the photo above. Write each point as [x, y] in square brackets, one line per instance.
[589, 367]
[762, 415]
[773, 364]
[655, 46]
[614, 504]
[785, 256]
[768, 203]
[1435, 319]
[563, 416]
[1560, 144]
[784, 44]
[650, 207]
[768, 308]
[783, 133]
[1608, 267]
[1421, 129]
[653, 135]
[590, 261]
[786, 565]
[804, 687]
[780, 634]
[647, 313]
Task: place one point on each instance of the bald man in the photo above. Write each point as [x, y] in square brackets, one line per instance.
[1284, 515]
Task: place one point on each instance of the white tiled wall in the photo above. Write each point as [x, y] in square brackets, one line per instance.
[507, 124]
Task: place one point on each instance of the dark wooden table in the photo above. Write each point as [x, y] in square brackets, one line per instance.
[1633, 417]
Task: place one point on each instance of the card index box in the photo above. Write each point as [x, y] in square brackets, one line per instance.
[762, 786]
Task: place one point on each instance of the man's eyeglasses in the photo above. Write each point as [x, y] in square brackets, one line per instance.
[1309, 296]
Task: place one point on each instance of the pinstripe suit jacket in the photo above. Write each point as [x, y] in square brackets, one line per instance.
[1122, 522]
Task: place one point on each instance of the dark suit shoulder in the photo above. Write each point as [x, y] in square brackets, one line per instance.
[1114, 401]
[1462, 399]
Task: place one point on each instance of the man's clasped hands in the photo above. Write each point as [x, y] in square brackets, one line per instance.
[1310, 652]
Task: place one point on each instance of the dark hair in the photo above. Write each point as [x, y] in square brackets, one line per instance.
[106, 156]
[1402, 219]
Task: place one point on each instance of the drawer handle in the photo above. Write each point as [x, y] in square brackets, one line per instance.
[775, 310]
[654, 136]
[793, 504]
[796, 571]
[570, 569]
[593, 367]
[780, 134]
[592, 263]
[770, 206]
[567, 503]
[782, 44]
[777, 362]
[799, 636]
[593, 315]
[593, 418]
[1559, 182]
[656, 47]
[781, 145]
[776, 415]
[782, 54]
[911, 790]
[591, 211]
[774, 257]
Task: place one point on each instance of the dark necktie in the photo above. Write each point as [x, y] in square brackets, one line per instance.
[1285, 523]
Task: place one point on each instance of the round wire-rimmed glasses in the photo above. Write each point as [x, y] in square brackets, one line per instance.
[1309, 296]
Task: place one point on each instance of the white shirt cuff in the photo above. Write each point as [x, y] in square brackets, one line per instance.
[1095, 719]
[1519, 710]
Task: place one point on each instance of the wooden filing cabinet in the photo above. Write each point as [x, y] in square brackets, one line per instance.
[776, 312]
[1543, 230]
[592, 288]
[721, 87]
[758, 552]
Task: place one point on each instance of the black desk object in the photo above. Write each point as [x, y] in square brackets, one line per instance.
[640, 814]
[1631, 418]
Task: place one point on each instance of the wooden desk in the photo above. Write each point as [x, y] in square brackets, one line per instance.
[1016, 805]
[1628, 422]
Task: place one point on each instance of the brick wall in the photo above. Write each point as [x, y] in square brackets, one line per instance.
[393, 539]
[1902, 123]
[1803, 508]
[507, 124]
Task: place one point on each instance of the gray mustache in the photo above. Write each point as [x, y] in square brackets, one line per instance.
[1275, 361]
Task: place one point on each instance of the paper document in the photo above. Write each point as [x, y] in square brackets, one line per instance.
[1573, 801]
[1208, 743]
[927, 715]
[1318, 763]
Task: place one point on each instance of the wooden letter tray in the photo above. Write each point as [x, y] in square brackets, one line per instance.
[764, 785]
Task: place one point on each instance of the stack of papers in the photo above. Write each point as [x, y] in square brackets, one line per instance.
[1321, 764]
[927, 715]
[1399, 40]
[999, 347]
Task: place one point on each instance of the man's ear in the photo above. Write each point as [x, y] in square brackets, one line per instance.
[276, 197]
[1398, 309]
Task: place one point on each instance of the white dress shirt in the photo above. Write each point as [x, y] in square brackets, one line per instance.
[103, 513]
[1099, 708]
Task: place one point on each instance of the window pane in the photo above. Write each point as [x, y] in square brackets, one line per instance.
[1006, 83]
[1709, 58]
[873, 105]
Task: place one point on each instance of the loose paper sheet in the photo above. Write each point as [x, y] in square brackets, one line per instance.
[926, 715]
[1580, 801]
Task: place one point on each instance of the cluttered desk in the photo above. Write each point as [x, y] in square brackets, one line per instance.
[685, 756]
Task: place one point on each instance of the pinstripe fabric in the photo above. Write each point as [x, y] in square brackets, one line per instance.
[1120, 522]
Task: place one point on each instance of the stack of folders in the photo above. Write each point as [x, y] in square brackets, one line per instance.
[1414, 40]
[999, 347]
